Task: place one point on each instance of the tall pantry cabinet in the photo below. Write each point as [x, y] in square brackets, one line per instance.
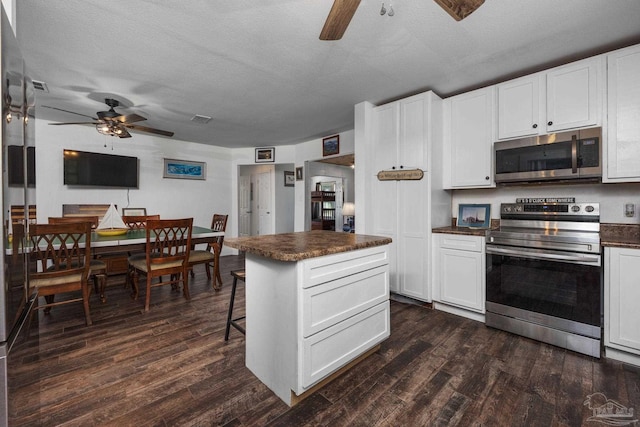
[403, 135]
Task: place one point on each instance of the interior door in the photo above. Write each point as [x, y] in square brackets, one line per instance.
[265, 208]
[244, 206]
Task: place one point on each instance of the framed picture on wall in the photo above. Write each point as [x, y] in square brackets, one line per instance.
[289, 179]
[299, 175]
[184, 169]
[331, 145]
[265, 155]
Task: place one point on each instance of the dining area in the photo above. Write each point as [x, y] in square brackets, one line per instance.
[71, 257]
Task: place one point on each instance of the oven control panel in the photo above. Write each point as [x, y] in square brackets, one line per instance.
[551, 209]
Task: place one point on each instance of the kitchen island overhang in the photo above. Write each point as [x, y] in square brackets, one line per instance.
[316, 302]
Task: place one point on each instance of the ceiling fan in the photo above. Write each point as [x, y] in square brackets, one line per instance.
[343, 10]
[113, 123]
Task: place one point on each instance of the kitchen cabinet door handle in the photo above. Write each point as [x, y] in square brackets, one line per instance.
[535, 125]
[549, 123]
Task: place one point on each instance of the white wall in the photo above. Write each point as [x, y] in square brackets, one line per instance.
[171, 198]
[285, 200]
[612, 197]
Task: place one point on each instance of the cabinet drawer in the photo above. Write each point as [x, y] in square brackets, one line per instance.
[462, 242]
[334, 347]
[315, 271]
[332, 302]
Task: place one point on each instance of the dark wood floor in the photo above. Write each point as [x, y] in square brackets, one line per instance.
[172, 367]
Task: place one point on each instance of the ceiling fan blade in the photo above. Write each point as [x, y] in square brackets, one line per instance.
[459, 9]
[149, 130]
[75, 123]
[129, 118]
[338, 20]
[72, 112]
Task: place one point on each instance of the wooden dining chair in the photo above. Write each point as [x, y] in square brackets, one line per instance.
[135, 222]
[138, 222]
[14, 265]
[59, 263]
[210, 256]
[167, 255]
[97, 268]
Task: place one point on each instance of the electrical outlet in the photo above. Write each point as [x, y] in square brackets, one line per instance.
[629, 210]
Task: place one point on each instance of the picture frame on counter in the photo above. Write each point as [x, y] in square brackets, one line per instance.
[265, 155]
[474, 215]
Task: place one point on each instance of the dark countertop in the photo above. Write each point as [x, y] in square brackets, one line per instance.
[611, 234]
[620, 235]
[304, 244]
[495, 224]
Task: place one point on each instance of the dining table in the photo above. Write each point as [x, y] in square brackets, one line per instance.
[135, 240]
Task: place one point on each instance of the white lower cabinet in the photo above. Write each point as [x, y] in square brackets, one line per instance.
[310, 318]
[459, 274]
[621, 303]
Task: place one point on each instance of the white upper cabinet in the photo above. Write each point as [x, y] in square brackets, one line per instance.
[565, 97]
[468, 135]
[622, 154]
[519, 103]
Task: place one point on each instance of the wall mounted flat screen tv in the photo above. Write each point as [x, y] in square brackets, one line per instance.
[82, 168]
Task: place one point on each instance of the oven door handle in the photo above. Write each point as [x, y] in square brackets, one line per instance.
[523, 253]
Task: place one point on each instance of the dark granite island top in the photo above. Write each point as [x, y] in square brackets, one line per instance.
[304, 244]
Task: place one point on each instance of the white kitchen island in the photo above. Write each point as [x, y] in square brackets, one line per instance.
[316, 303]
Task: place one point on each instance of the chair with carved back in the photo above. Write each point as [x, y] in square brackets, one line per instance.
[136, 222]
[210, 256]
[168, 243]
[97, 268]
[14, 265]
[59, 263]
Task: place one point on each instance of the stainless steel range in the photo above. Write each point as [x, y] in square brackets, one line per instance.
[544, 274]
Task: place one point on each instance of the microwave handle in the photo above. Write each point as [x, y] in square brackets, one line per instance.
[574, 154]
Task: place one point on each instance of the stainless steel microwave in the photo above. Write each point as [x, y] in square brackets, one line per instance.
[559, 156]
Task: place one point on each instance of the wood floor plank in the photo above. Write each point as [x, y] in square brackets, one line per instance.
[171, 366]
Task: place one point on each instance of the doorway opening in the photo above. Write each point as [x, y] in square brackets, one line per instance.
[325, 211]
[265, 201]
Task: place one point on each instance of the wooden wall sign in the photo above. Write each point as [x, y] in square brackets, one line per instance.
[400, 175]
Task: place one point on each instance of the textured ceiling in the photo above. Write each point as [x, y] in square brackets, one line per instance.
[259, 70]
